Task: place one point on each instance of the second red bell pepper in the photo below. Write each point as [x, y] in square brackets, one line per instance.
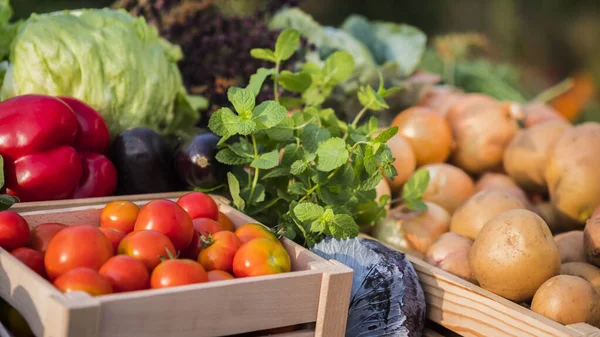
[53, 148]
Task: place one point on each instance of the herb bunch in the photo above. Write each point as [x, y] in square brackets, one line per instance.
[306, 170]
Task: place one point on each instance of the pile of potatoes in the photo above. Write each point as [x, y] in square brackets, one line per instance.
[511, 203]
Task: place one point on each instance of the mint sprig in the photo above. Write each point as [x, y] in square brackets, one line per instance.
[308, 174]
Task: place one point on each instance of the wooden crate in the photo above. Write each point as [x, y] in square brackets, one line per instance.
[315, 293]
[470, 310]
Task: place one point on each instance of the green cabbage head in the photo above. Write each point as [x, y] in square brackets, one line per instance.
[107, 58]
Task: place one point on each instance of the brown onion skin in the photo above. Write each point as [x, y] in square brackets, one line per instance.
[449, 186]
[405, 161]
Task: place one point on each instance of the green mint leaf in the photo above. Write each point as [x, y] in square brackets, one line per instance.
[282, 131]
[243, 100]
[286, 44]
[370, 99]
[414, 188]
[343, 226]
[389, 171]
[243, 148]
[277, 173]
[291, 103]
[307, 211]
[343, 176]
[390, 91]
[234, 190]
[295, 82]
[386, 135]
[298, 167]
[245, 126]
[257, 80]
[1, 172]
[268, 114]
[228, 157]
[263, 54]
[338, 67]
[297, 188]
[223, 122]
[313, 69]
[258, 195]
[318, 226]
[266, 161]
[415, 205]
[313, 96]
[331, 154]
[312, 136]
[327, 217]
[371, 182]
[6, 201]
[370, 161]
[292, 153]
[373, 125]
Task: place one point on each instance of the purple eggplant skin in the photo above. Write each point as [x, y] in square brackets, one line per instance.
[144, 163]
[196, 163]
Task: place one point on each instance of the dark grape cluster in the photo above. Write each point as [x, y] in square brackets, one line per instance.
[216, 47]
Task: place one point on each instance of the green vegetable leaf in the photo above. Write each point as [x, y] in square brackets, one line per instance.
[370, 99]
[307, 211]
[286, 44]
[312, 136]
[294, 82]
[370, 161]
[245, 126]
[229, 157]
[298, 167]
[257, 80]
[343, 226]
[415, 205]
[243, 100]
[297, 188]
[258, 195]
[331, 154]
[282, 131]
[268, 114]
[313, 96]
[371, 182]
[291, 153]
[386, 135]
[276, 173]
[412, 191]
[224, 122]
[6, 201]
[234, 190]
[338, 67]
[266, 161]
[263, 54]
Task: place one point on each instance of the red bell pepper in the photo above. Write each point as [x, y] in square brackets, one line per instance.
[53, 148]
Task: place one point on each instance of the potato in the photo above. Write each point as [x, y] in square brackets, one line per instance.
[494, 181]
[584, 270]
[421, 228]
[427, 132]
[573, 176]
[482, 131]
[567, 299]
[591, 241]
[526, 155]
[405, 161]
[448, 186]
[514, 254]
[570, 246]
[450, 252]
[470, 217]
[537, 113]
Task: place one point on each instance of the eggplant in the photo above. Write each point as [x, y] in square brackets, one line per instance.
[144, 163]
[196, 163]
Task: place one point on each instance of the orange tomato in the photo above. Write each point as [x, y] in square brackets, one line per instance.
[146, 246]
[225, 222]
[218, 275]
[42, 234]
[202, 226]
[218, 251]
[251, 231]
[83, 279]
[114, 236]
[120, 215]
[77, 246]
[125, 273]
[261, 257]
[172, 273]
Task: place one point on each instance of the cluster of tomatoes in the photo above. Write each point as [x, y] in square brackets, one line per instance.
[162, 244]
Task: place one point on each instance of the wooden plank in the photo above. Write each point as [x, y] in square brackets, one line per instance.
[334, 299]
[473, 311]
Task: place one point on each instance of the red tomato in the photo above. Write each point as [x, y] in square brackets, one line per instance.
[199, 205]
[219, 250]
[125, 273]
[261, 257]
[251, 231]
[146, 246]
[218, 275]
[114, 236]
[172, 273]
[14, 230]
[77, 246]
[83, 279]
[225, 222]
[120, 215]
[202, 226]
[42, 234]
[31, 258]
[167, 217]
